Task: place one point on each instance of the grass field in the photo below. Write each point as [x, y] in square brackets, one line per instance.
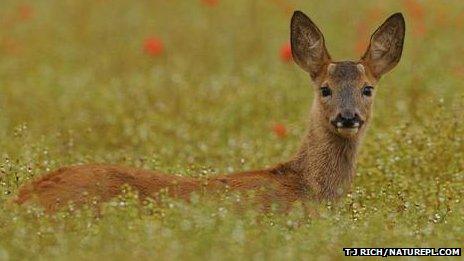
[204, 87]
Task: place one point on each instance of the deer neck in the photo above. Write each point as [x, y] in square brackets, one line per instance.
[325, 162]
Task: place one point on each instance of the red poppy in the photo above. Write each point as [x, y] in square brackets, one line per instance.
[286, 52]
[363, 29]
[362, 40]
[458, 71]
[210, 3]
[11, 45]
[280, 130]
[416, 11]
[283, 5]
[26, 12]
[153, 46]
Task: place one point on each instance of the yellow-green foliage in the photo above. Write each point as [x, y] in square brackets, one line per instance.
[77, 87]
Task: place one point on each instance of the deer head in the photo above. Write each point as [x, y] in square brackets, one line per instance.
[344, 91]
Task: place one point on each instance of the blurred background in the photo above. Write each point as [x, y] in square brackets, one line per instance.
[206, 82]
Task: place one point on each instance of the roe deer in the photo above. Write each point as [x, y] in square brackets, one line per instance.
[322, 169]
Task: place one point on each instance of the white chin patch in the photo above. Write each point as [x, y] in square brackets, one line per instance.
[347, 131]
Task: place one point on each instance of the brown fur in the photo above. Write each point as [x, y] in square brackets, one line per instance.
[81, 184]
[322, 169]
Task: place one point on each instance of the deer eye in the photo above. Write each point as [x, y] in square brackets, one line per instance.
[325, 91]
[367, 91]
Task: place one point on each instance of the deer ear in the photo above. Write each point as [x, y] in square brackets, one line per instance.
[386, 46]
[308, 45]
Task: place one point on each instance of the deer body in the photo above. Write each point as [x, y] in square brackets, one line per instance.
[319, 171]
[322, 169]
[82, 184]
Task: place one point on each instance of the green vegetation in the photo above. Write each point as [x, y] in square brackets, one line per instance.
[77, 86]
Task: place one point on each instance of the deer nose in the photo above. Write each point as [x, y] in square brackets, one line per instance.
[347, 119]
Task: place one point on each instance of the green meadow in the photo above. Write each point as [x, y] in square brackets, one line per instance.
[200, 88]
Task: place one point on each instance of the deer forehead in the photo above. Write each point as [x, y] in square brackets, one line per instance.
[345, 73]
